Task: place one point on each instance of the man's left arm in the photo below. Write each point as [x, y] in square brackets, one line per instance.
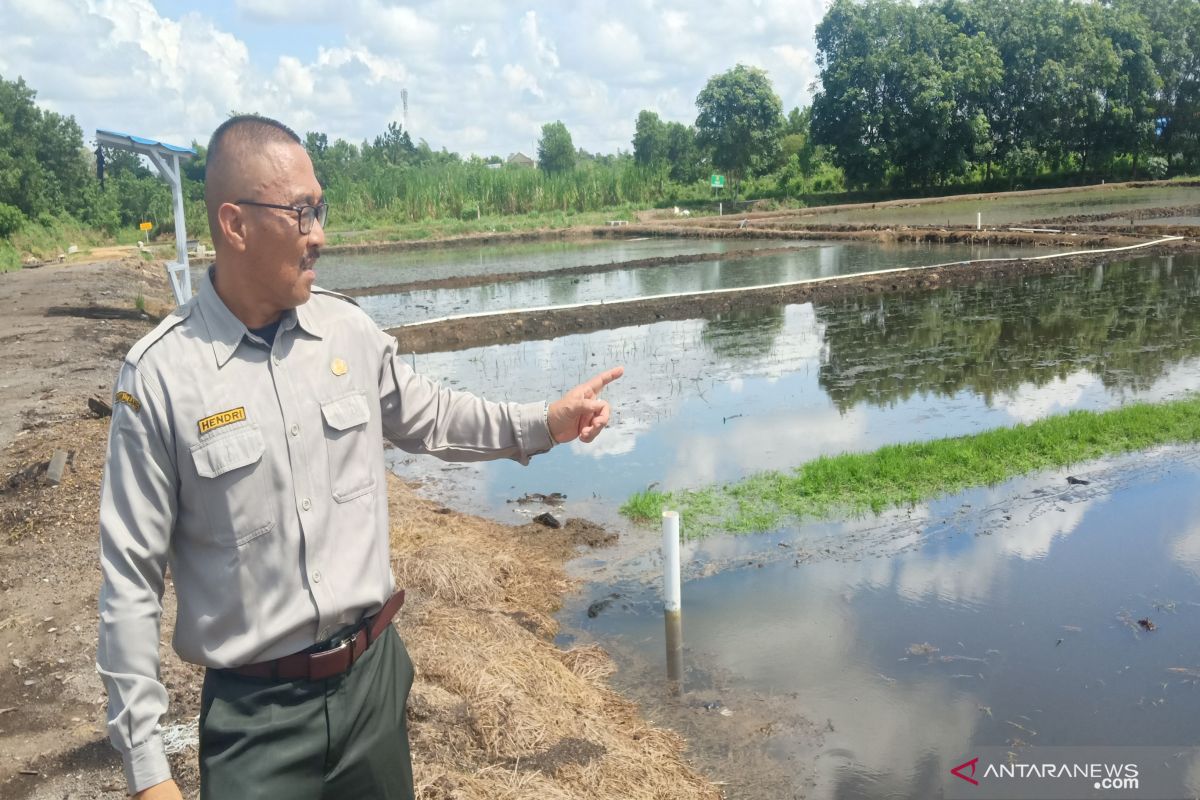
[420, 416]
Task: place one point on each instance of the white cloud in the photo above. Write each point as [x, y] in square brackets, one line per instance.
[480, 78]
[273, 11]
[543, 48]
[1028, 403]
[397, 26]
[517, 77]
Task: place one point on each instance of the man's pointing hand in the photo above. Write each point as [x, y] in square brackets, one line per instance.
[581, 412]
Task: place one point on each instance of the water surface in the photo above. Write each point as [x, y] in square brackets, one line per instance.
[812, 260]
[352, 270]
[715, 399]
[867, 657]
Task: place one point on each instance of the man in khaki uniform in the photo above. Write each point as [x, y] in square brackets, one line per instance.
[246, 452]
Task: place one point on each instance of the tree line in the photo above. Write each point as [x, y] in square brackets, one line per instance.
[930, 94]
[909, 96]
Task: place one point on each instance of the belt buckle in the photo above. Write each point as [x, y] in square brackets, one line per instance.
[317, 662]
[346, 642]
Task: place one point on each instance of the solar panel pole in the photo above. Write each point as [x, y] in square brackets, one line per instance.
[177, 270]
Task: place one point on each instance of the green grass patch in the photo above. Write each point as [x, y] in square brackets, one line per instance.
[10, 258]
[906, 474]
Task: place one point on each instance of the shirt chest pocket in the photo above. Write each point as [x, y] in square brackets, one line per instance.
[351, 456]
[233, 486]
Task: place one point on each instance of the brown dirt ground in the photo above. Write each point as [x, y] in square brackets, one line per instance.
[497, 710]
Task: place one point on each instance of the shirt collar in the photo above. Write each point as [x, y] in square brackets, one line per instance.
[306, 319]
[225, 331]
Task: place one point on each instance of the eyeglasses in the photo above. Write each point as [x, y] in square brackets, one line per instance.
[305, 215]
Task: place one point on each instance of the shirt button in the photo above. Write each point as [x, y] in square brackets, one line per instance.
[306, 504]
[295, 430]
[317, 578]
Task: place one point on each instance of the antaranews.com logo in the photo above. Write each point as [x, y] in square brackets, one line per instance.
[1071, 773]
[1104, 776]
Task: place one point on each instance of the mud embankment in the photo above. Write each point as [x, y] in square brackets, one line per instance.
[1119, 216]
[461, 281]
[504, 328]
[910, 202]
[884, 234]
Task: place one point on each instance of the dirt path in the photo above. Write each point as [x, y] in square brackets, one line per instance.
[55, 356]
[497, 710]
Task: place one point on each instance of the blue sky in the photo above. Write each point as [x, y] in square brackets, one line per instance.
[481, 77]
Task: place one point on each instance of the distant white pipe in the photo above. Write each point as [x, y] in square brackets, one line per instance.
[978, 220]
[670, 547]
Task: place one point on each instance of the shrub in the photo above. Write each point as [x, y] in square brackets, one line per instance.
[11, 220]
[1156, 167]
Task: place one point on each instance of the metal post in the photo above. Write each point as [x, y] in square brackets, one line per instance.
[181, 254]
[177, 270]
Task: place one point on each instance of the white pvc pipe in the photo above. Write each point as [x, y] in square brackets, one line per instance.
[670, 546]
[978, 220]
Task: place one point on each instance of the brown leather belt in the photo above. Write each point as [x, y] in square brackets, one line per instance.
[327, 663]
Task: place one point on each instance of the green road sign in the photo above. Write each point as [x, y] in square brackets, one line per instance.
[718, 181]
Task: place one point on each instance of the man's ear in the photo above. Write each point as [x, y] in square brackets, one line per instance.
[233, 226]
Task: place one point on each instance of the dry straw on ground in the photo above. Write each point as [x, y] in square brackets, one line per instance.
[497, 711]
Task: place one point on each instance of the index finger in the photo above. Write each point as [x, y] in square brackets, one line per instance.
[597, 382]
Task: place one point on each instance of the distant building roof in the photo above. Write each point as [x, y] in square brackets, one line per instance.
[522, 159]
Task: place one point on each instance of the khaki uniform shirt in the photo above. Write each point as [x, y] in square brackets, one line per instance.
[257, 474]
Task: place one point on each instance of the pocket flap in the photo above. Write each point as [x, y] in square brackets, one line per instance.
[346, 412]
[228, 452]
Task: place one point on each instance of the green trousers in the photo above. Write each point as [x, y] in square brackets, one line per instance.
[345, 737]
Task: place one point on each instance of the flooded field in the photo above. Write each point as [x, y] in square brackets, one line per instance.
[340, 271]
[1007, 210]
[862, 660]
[716, 399]
[809, 260]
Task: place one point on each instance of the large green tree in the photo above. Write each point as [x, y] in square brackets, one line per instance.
[649, 140]
[43, 169]
[902, 92]
[556, 151]
[738, 122]
[1174, 29]
[687, 162]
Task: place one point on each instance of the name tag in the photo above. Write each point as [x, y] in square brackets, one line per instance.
[222, 418]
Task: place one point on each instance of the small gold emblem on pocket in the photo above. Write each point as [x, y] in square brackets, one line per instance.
[338, 367]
